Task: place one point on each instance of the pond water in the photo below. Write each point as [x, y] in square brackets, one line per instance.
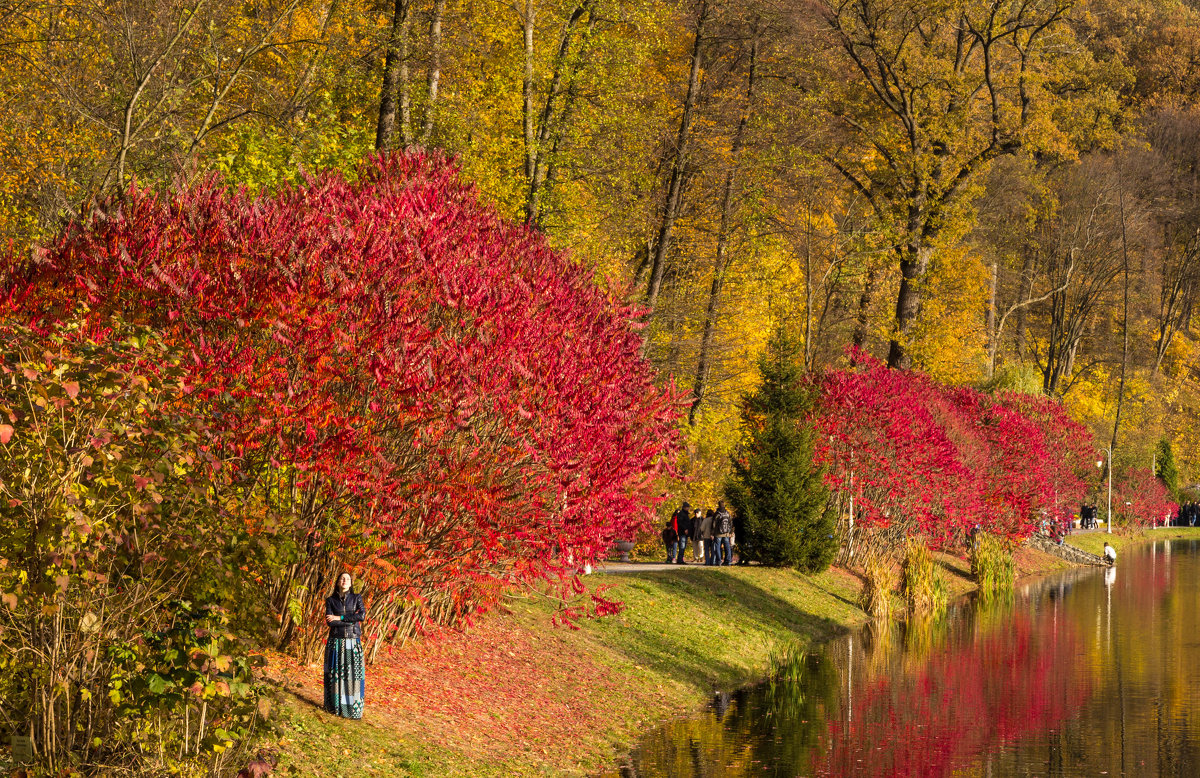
[1086, 673]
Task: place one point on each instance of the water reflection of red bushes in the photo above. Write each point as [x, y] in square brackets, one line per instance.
[968, 699]
[1024, 689]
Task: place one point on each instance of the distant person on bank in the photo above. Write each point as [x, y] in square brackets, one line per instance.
[345, 673]
[1110, 554]
[683, 526]
[697, 536]
[724, 530]
[707, 535]
[739, 531]
[668, 538]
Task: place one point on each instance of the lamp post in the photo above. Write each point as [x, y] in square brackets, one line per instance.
[1100, 463]
[1110, 488]
[850, 531]
[851, 498]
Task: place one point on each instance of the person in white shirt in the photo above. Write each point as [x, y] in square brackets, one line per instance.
[1110, 554]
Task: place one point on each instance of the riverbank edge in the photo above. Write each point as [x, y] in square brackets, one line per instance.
[527, 698]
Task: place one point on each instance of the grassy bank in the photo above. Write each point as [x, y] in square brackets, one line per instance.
[516, 696]
[1094, 541]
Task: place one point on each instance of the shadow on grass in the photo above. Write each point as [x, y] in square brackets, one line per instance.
[308, 696]
[835, 595]
[713, 616]
[956, 571]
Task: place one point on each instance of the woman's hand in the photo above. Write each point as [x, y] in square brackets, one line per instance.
[332, 618]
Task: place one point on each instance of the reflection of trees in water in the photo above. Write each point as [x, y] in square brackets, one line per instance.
[911, 699]
[1141, 656]
[770, 729]
[1067, 676]
[794, 710]
[991, 680]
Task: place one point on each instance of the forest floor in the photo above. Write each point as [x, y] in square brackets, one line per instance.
[514, 695]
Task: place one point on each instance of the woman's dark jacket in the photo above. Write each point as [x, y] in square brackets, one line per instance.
[683, 520]
[350, 608]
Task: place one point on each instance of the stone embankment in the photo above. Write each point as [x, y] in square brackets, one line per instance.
[1075, 556]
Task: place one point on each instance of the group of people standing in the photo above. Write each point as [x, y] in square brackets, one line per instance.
[1187, 515]
[710, 534]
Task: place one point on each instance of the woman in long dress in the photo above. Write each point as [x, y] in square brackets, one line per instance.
[345, 674]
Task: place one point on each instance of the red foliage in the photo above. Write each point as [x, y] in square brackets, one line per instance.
[933, 460]
[1140, 498]
[425, 391]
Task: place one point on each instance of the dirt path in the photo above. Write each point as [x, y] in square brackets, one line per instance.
[647, 567]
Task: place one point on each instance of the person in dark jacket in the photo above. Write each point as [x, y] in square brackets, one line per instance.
[724, 529]
[669, 536]
[681, 521]
[345, 673]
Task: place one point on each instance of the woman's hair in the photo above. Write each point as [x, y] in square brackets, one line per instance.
[337, 582]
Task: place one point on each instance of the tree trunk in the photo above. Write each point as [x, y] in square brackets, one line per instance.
[295, 107]
[406, 135]
[527, 91]
[1023, 293]
[542, 158]
[991, 319]
[996, 334]
[913, 266]
[864, 308]
[385, 129]
[808, 311]
[1051, 374]
[148, 69]
[1176, 295]
[435, 69]
[675, 185]
[1124, 327]
[721, 263]
[550, 176]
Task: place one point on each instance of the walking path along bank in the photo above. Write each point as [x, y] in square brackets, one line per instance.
[514, 695]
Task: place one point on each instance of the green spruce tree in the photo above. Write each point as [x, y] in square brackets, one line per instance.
[1165, 469]
[776, 488]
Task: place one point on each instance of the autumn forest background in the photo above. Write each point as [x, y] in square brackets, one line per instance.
[1008, 196]
[554, 240]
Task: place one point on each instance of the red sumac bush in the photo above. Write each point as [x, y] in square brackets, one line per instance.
[1140, 499]
[412, 386]
[926, 459]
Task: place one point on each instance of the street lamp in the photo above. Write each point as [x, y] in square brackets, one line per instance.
[850, 532]
[1100, 463]
[852, 498]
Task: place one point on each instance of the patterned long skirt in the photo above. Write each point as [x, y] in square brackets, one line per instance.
[345, 677]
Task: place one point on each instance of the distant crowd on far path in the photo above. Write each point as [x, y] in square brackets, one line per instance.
[710, 534]
[1188, 515]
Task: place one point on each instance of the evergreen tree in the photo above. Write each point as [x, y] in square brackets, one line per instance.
[776, 488]
[1165, 469]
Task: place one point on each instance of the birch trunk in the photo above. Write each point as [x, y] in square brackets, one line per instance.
[435, 69]
[721, 263]
[675, 185]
